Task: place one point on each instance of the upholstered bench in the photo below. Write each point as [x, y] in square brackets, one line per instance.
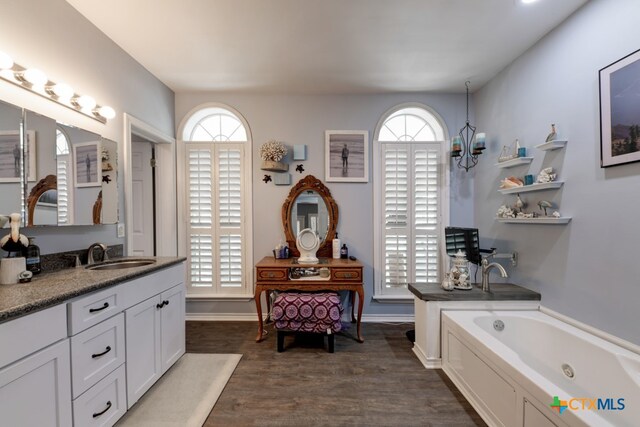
[307, 312]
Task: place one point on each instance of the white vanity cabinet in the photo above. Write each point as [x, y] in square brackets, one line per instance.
[35, 382]
[86, 361]
[155, 331]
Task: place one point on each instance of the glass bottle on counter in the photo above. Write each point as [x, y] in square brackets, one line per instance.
[32, 255]
[344, 252]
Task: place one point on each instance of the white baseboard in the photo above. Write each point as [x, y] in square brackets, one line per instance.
[248, 317]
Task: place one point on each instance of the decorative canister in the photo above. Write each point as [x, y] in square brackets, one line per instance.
[10, 269]
[460, 270]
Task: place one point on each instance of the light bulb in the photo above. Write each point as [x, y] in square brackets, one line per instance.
[62, 91]
[86, 102]
[106, 112]
[5, 61]
[35, 77]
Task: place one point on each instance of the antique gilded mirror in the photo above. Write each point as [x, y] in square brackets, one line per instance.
[310, 205]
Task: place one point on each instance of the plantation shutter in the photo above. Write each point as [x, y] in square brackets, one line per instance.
[411, 214]
[396, 215]
[426, 208]
[230, 216]
[62, 166]
[215, 228]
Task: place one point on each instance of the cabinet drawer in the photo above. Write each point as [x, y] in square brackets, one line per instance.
[272, 274]
[96, 352]
[94, 308]
[348, 274]
[104, 403]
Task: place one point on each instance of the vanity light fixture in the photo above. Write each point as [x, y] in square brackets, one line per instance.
[36, 81]
[464, 147]
[6, 62]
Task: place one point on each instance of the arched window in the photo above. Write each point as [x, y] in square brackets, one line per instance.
[216, 152]
[409, 183]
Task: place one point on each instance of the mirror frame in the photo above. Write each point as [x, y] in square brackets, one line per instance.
[310, 182]
[49, 182]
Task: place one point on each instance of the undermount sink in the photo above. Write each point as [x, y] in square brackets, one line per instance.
[121, 264]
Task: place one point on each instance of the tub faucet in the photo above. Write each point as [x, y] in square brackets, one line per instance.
[486, 269]
[90, 259]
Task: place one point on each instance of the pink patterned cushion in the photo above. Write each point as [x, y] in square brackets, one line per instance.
[308, 312]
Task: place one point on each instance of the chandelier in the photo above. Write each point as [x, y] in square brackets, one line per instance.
[464, 148]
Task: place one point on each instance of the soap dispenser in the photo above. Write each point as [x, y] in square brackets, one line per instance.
[335, 246]
[32, 255]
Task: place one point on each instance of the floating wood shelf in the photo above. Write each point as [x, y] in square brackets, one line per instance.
[532, 187]
[539, 220]
[552, 145]
[515, 162]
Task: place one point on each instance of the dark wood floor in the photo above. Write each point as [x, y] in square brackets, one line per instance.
[377, 383]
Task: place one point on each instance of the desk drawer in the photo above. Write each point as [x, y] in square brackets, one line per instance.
[346, 274]
[270, 274]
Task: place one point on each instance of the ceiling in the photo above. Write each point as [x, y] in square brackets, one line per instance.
[325, 46]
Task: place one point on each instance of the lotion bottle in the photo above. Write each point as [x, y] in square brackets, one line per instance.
[335, 246]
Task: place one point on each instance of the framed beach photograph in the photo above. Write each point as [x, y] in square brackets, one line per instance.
[10, 156]
[86, 156]
[346, 156]
[620, 111]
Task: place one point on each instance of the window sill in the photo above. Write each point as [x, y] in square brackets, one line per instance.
[219, 297]
[393, 299]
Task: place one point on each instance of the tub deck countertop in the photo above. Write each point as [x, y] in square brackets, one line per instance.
[499, 292]
[49, 289]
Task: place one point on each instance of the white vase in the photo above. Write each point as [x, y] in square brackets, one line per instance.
[10, 268]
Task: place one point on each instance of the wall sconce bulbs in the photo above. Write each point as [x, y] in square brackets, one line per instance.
[36, 81]
[61, 90]
[106, 112]
[85, 102]
[6, 62]
[34, 76]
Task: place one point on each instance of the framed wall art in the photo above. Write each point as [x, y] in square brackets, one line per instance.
[346, 156]
[10, 156]
[86, 155]
[620, 111]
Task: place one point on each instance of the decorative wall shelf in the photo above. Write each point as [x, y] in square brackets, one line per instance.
[515, 162]
[552, 145]
[533, 187]
[539, 220]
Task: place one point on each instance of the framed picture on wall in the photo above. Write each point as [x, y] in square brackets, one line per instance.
[86, 155]
[346, 156]
[10, 156]
[620, 111]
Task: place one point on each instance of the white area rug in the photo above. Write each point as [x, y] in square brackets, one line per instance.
[185, 395]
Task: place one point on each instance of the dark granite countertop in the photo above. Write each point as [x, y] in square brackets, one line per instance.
[49, 289]
[499, 292]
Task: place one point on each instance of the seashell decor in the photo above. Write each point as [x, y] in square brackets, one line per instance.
[511, 182]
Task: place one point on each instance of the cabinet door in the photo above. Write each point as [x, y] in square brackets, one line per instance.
[143, 347]
[173, 326]
[36, 391]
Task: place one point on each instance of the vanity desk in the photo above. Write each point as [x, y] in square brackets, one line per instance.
[275, 275]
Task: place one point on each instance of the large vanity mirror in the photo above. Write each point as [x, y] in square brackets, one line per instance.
[310, 205]
[10, 153]
[71, 175]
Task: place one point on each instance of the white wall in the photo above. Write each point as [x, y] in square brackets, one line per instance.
[53, 36]
[587, 269]
[302, 119]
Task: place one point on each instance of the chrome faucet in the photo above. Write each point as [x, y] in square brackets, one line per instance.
[90, 259]
[486, 269]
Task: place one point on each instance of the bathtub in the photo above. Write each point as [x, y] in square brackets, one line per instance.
[511, 364]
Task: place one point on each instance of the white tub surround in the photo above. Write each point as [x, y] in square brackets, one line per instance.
[511, 365]
[430, 301]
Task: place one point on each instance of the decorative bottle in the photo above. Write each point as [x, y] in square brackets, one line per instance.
[32, 255]
[344, 252]
[335, 246]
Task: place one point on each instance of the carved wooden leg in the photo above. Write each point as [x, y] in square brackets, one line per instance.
[257, 297]
[352, 300]
[360, 304]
